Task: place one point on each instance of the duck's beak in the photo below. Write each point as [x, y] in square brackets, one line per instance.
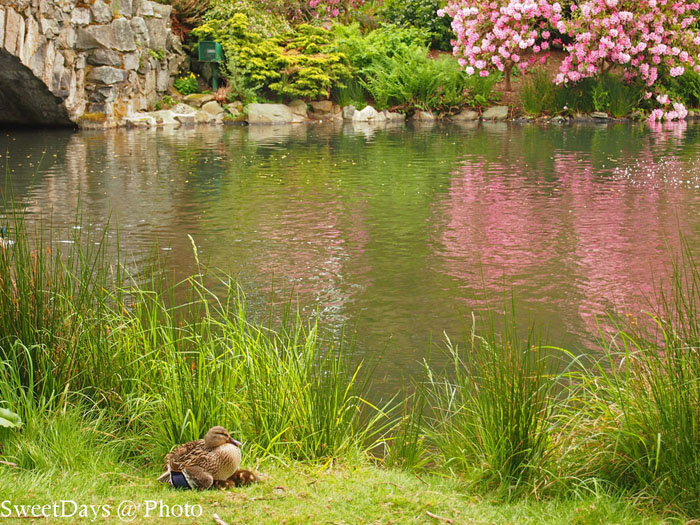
[235, 442]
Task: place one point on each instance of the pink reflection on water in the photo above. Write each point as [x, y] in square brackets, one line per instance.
[593, 238]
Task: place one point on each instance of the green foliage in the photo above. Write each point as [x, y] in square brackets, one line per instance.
[421, 14]
[685, 88]
[301, 64]
[187, 84]
[266, 22]
[607, 93]
[393, 67]
[158, 54]
[164, 103]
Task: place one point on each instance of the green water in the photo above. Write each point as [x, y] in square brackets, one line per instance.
[400, 233]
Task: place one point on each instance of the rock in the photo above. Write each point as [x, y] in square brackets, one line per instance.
[369, 114]
[143, 8]
[104, 94]
[213, 108]
[321, 106]
[162, 80]
[157, 33]
[185, 119]
[165, 117]
[140, 120]
[298, 108]
[123, 35]
[80, 16]
[183, 109]
[599, 115]
[466, 116]
[270, 114]
[101, 13]
[104, 57]
[197, 100]
[131, 61]
[392, 116]
[496, 113]
[106, 75]
[423, 115]
[235, 109]
[348, 112]
[203, 117]
[123, 7]
[558, 120]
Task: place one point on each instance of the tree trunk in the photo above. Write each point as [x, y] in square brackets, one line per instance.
[507, 71]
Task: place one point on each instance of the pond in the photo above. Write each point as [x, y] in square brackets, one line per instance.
[397, 232]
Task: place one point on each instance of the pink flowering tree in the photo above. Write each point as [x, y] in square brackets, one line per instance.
[334, 8]
[498, 35]
[643, 37]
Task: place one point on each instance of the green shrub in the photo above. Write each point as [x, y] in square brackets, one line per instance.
[300, 64]
[267, 22]
[538, 94]
[187, 84]
[685, 88]
[421, 14]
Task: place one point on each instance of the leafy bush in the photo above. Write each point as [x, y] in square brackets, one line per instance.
[300, 64]
[267, 22]
[685, 88]
[187, 84]
[538, 94]
[410, 79]
[421, 14]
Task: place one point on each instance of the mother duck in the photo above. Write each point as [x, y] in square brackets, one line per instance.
[198, 464]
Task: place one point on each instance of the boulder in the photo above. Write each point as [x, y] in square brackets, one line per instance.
[599, 115]
[101, 13]
[348, 112]
[197, 100]
[558, 119]
[298, 108]
[496, 113]
[235, 109]
[213, 108]
[203, 117]
[270, 114]
[369, 114]
[321, 106]
[466, 116]
[123, 35]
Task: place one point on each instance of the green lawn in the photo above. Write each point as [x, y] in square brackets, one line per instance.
[305, 494]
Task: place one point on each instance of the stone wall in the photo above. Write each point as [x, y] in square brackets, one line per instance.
[88, 62]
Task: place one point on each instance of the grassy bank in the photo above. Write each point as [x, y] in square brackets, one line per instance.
[108, 371]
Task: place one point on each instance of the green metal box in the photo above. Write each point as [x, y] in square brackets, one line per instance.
[210, 51]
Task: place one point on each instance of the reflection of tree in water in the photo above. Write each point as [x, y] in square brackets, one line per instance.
[578, 240]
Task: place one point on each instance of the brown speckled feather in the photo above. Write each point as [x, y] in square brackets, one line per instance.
[220, 462]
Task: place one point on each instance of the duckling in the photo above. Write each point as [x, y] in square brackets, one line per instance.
[5, 243]
[239, 478]
[197, 464]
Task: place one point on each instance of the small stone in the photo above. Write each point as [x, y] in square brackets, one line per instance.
[80, 16]
[101, 13]
[392, 116]
[140, 120]
[197, 100]
[599, 115]
[369, 114]
[213, 108]
[423, 115]
[131, 61]
[349, 112]
[183, 109]
[496, 113]
[203, 117]
[185, 119]
[466, 116]
[165, 117]
[104, 57]
[107, 75]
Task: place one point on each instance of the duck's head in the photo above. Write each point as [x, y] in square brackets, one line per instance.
[3, 231]
[218, 436]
